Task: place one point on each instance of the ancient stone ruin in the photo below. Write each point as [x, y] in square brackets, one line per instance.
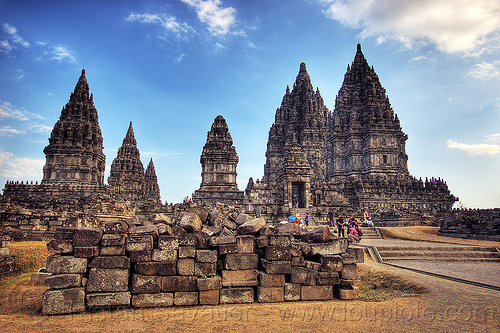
[202, 258]
[218, 167]
[483, 224]
[350, 159]
[8, 267]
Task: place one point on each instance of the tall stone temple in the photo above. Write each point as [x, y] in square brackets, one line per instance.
[75, 151]
[218, 164]
[151, 188]
[73, 175]
[127, 172]
[349, 160]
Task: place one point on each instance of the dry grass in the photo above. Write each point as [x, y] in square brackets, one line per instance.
[376, 286]
[30, 256]
[426, 233]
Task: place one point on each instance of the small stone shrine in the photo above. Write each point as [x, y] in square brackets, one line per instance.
[218, 164]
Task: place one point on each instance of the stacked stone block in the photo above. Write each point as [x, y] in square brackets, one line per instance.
[8, 267]
[125, 265]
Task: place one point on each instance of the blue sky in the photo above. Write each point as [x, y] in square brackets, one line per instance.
[172, 66]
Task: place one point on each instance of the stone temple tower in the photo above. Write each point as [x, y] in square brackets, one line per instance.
[218, 167]
[127, 172]
[151, 188]
[304, 115]
[365, 136]
[75, 151]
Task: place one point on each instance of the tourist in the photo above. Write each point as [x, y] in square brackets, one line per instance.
[340, 227]
[299, 218]
[352, 221]
[330, 218]
[353, 235]
[306, 219]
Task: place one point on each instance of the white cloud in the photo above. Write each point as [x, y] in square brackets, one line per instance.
[15, 167]
[40, 128]
[5, 46]
[493, 138]
[219, 20]
[179, 58]
[10, 112]
[8, 131]
[12, 34]
[63, 53]
[479, 149]
[220, 47]
[486, 71]
[468, 26]
[169, 23]
[419, 58]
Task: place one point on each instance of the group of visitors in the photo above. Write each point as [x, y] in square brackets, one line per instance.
[298, 219]
[354, 232]
[187, 199]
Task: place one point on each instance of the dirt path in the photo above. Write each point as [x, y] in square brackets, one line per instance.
[448, 307]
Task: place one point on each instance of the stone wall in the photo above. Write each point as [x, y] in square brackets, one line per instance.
[8, 267]
[481, 224]
[192, 261]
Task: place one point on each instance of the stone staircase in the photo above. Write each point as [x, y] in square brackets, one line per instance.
[371, 233]
[439, 253]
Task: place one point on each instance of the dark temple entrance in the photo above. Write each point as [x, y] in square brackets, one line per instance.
[298, 195]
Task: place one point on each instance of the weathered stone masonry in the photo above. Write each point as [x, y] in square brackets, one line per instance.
[123, 265]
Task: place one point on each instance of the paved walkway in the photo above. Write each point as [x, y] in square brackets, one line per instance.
[482, 272]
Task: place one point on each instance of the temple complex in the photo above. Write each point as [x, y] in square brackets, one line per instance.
[352, 159]
[73, 175]
[218, 164]
[347, 160]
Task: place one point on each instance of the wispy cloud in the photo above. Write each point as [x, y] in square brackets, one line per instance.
[5, 46]
[9, 131]
[169, 23]
[40, 128]
[486, 71]
[9, 111]
[179, 58]
[62, 53]
[15, 167]
[11, 39]
[219, 20]
[493, 138]
[27, 121]
[478, 149]
[468, 26]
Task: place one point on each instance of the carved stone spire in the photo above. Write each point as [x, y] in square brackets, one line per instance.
[218, 163]
[151, 188]
[365, 136]
[304, 115]
[75, 151]
[127, 171]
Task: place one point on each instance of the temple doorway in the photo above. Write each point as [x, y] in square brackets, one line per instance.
[298, 195]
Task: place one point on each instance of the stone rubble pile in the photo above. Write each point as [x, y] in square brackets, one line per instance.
[201, 258]
[482, 224]
[8, 267]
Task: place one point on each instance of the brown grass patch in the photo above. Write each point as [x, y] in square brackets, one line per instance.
[376, 286]
[30, 256]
